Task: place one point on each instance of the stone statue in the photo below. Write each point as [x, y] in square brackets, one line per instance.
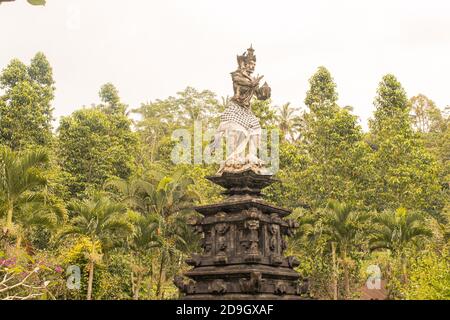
[243, 236]
[238, 124]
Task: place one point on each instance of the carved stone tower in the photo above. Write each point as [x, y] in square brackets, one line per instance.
[243, 241]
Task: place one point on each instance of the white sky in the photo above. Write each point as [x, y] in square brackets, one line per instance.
[152, 49]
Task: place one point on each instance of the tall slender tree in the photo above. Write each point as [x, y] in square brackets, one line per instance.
[342, 227]
[288, 121]
[337, 165]
[406, 174]
[103, 222]
[26, 111]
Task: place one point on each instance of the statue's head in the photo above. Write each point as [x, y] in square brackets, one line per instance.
[247, 60]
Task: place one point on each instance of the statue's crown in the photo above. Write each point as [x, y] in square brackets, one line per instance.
[247, 56]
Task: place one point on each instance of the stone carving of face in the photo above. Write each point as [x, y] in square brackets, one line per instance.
[250, 66]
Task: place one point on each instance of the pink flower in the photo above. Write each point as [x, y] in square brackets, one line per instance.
[7, 262]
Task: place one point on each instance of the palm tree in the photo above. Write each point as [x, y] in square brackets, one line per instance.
[164, 206]
[133, 192]
[169, 203]
[304, 232]
[342, 226]
[40, 209]
[171, 194]
[143, 242]
[103, 222]
[396, 231]
[287, 121]
[19, 177]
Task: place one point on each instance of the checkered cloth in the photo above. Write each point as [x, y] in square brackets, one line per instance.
[240, 115]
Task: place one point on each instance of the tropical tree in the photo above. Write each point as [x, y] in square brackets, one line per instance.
[109, 95]
[25, 108]
[41, 213]
[19, 178]
[287, 121]
[337, 157]
[194, 105]
[398, 231]
[143, 243]
[425, 115]
[169, 203]
[103, 222]
[161, 117]
[164, 206]
[305, 231]
[342, 227]
[406, 175]
[156, 124]
[429, 275]
[265, 112]
[133, 193]
[95, 144]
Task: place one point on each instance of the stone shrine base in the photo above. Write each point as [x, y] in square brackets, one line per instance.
[243, 245]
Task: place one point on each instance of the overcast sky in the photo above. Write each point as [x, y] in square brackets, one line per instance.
[152, 49]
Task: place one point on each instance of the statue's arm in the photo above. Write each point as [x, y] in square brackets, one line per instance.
[241, 80]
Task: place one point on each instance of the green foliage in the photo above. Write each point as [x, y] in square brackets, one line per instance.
[99, 219]
[342, 225]
[398, 230]
[426, 116]
[114, 278]
[94, 146]
[401, 233]
[338, 165]
[161, 117]
[322, 95]
[20, 180]
[288, 122]
[37, 2]
[338, 232]
[162, 210]
[429, 277]
[289, 192]
[25, 108]
[264, 111]
[193, 105]
[109, 95]
[102, 225]
[434, 129]
[380, 197]
[406, 174]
